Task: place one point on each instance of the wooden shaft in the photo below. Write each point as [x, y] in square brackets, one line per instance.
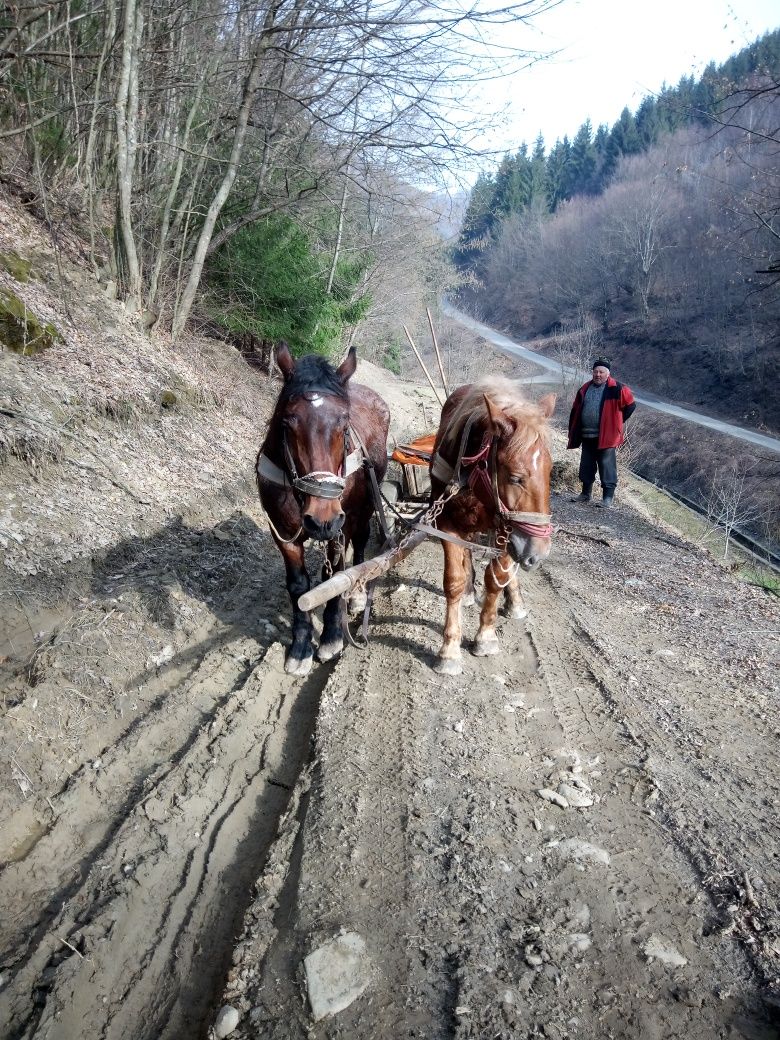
[438, 353]
[345, 581]
[422, 366]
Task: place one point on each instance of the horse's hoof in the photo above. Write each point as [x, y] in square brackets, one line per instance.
[327, 651]
[357, 603]
[515, 612]
[485, 647]
[298, 666]
[448, 666]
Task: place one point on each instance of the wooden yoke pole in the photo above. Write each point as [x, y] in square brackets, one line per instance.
[345, 581]
[422, 366]
[438, 354]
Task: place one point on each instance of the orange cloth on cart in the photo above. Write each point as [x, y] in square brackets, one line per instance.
[418, 453]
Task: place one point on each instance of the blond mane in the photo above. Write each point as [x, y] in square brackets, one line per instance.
[507, 395]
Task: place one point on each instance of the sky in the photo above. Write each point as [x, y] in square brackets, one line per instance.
[612, 53]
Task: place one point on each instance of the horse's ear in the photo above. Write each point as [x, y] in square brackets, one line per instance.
[547, 404]
[346, 369]
[284, 360]
[501, 425]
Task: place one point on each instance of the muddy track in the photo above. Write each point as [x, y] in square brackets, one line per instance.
[244, 818]
[482, 915]
[138, 889]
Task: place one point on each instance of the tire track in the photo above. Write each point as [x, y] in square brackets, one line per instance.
[148, 936]
[93, 804]
[668, 780]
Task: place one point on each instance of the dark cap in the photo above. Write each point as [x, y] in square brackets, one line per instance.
[602, 362]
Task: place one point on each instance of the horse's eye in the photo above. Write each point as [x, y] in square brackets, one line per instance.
[516, 478]
[291, 421]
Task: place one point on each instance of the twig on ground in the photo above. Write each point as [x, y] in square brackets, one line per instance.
[71, 947]
[580, 534]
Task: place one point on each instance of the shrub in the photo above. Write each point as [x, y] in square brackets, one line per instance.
[269, 281]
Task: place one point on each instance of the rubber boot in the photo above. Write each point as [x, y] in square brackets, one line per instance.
[608, 499]
[585, 494]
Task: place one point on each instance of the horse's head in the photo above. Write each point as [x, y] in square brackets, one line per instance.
[520, 474]
[313, 410]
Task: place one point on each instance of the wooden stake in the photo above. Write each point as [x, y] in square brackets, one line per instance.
[438, 354]
[422, 365]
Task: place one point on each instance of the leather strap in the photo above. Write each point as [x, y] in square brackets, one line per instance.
[268, 470]
[487, 550]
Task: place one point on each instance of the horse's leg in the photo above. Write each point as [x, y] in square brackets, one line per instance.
[448, 661]
[496, 574]
[358, 600]
[469, 597]
[513, 600]
[332, 639]
[299, 655]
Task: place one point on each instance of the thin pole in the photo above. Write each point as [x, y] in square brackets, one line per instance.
[422, 365]
[438, 354]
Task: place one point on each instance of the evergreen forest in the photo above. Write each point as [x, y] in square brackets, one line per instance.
[657, 239]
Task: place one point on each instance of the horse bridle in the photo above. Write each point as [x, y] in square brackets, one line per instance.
[317, 483]
[481, 476]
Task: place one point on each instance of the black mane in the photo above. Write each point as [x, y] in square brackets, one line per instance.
[313, 374]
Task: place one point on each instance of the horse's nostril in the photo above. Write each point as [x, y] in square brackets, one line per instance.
[312, 526]
[323, 530]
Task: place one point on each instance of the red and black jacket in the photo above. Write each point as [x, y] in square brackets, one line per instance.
[617, 404]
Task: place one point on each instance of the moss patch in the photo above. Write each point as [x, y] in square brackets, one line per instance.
[17, 266]
[20, 330]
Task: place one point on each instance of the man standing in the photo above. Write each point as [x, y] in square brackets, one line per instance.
[600, 409]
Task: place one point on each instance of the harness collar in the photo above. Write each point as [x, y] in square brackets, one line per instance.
[479, 472]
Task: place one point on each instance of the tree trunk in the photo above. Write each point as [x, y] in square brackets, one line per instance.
[170, 198]
[127, 255]
[223, 191]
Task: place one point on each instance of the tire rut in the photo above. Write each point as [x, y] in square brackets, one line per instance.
[88, 812]
[147, 935]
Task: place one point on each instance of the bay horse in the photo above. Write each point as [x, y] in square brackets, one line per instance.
[492, 445]
[313, 482]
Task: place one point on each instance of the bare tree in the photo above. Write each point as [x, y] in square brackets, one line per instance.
[728, 504]
[575, 347]
[292, 101]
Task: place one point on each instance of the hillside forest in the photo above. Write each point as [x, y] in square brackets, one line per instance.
[255, 165]
[657, 240]
[274, 170]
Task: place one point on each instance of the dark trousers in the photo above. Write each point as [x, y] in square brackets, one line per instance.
[603, 459]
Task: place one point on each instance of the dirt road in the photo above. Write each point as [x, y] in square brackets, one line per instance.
[379, 798]
[577, 838]
[643, 397]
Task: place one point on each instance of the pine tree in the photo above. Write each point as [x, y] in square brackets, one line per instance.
[539, 171]
[478, 222]
[583, 161]
[558, 174]
[648, 123]
[513, 184]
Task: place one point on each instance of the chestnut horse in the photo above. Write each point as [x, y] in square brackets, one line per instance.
[313, 482]
[493, 445]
